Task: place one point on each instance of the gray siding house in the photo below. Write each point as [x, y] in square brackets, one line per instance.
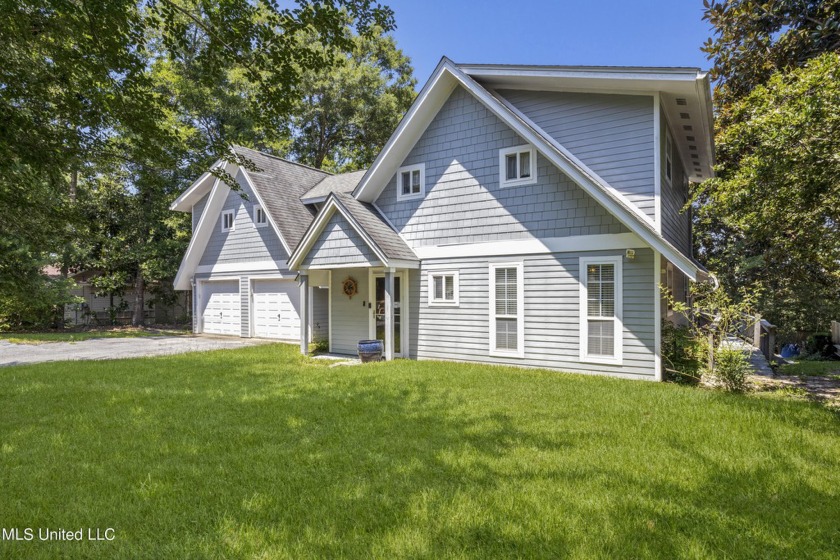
[521, 215]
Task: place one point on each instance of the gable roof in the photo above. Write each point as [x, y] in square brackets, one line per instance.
[343, 183]
[280, 185]
[366, 220]
[434, 94]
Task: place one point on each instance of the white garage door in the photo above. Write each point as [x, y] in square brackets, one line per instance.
[221, 314]
[277, 309]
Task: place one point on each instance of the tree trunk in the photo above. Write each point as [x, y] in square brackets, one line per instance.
[138, 318]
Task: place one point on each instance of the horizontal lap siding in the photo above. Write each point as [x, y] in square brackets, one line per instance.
[676, 224]
[349, 318]
[552, 314]
[246, 243]
[464, 202]
[611, 134]
[339, 244]
[320, 314]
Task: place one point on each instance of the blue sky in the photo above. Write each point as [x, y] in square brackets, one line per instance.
[583, 32]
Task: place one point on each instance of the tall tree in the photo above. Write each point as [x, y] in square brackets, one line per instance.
[346, 113]
[77, 93]
[752, 228]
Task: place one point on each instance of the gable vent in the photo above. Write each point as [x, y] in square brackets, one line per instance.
[687, 127]
[685, 116]
[695, 156]
[697, 169]
[690, 138]
[681, 101]
[693, 148]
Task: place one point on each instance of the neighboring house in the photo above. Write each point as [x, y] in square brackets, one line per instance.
[521, 215]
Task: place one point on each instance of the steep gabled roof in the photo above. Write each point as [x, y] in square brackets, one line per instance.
[446, 77]
[343, 183]
[366, 220]
[280, 185]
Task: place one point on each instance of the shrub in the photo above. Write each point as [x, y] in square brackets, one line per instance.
[682, 353]
[731, 368]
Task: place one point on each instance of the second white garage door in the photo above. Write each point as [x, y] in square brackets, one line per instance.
[277, 309]
[221, 314]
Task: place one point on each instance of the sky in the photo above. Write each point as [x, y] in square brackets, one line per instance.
[582, 32]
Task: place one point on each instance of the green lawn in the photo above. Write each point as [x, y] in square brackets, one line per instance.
[258, 453]
[76, 336]
[826, 367]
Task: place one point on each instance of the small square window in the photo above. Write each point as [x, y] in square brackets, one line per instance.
[411, 182]
[228, 220]
[517, 166]
[260, 218]
[443, 289]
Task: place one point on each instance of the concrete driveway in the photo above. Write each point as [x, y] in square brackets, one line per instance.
[113, 348]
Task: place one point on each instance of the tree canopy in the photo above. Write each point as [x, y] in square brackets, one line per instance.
[767, 220]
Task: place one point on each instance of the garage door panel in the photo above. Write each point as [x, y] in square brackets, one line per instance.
[276, 309]
[221, 312]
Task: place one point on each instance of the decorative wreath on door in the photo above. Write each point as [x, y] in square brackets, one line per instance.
[350, 287]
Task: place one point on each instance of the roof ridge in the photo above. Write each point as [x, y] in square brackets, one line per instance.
[284, 160]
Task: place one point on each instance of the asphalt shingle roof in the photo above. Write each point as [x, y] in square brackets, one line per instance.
[377, 228]
[280, 184]
[344, 183]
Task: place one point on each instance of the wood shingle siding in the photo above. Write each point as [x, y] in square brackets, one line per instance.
[339, 245]
[464, 202]
[245, 243]
[610, 134]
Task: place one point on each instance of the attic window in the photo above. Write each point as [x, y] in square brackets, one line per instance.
[228, 220]
[260, 218]
[517, 166]
[411, 182]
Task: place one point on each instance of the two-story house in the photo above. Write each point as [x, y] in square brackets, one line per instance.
[521, 215]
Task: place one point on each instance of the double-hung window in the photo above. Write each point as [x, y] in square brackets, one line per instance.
[443, 289]
[517, 166]
[507, 329]
[411, 182]
[260, 218]
[228, 220]
[600, 310]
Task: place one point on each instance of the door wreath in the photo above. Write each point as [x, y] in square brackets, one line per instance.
[350, 287]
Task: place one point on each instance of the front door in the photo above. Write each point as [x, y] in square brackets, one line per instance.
[379, 311]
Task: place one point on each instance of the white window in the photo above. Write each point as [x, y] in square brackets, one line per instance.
[411, 182]
[507, 310]
[517, 166]
[260, 219]
[600, 310]
[669, 165]
[228, 220]
[443, 289]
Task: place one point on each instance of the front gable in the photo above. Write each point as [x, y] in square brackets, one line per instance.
[246, 242]
[465, 201]
[340, 245]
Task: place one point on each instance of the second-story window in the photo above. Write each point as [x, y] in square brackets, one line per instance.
[260, 219]
[517, 166]
[411, 182]
[227, 220]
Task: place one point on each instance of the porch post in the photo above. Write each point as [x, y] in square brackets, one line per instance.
[305, 304]
[389, 314]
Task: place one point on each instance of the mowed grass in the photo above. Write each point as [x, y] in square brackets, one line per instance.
[815, 367]
[258, 453]
[76, 336]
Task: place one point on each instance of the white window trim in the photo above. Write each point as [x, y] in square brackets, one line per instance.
[455, 289]
[520, 308]
[410, 169]
[618, 333]
[257, 210]
[503, 181]
[669, 157]
[232, 214]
